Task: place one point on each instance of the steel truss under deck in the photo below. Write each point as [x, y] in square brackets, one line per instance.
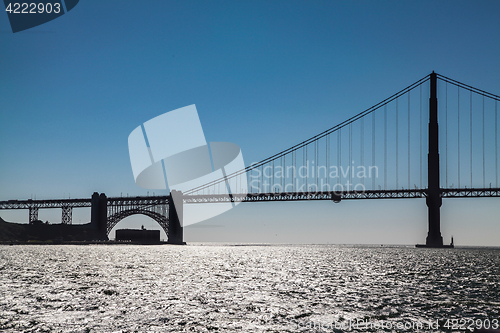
[338, 196]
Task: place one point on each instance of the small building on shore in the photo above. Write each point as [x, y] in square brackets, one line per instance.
[141, 236]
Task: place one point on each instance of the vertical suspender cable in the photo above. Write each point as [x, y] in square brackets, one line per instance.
[272, 186]
[470, 138]
[350, 153]
[286, 174]
[261, 190]
[458, 137]
[339, 154]
[397, 144]
[317, 162]
[283, 174]
[294, 170]
[373, 149]
[484, 168]
[446, 132]
[421, 134]
[306, 163]
[385, 147]
[316, 147]
[496, 144]
[303, 163]
[362, 150]
[313, 163]
[327, 144]
[409, 140]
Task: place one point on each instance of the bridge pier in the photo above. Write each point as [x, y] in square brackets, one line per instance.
[99, 214]
[434, 238]
[67, 215]
[33, 214]
[175, 213]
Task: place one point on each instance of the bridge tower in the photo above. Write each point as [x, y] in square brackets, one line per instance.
[433, 199]
[175, 212]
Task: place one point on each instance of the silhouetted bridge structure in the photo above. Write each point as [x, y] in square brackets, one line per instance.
[107, 212]
[388, 139]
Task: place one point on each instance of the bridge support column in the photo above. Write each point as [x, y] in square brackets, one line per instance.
[434, 199]
[33, 214]
[175, 212]
[67, 213]
[99, 214]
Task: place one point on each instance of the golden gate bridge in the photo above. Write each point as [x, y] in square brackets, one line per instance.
[389, 151]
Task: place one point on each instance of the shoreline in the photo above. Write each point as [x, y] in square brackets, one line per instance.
[96, 242]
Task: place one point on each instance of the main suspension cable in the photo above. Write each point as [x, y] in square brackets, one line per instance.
[316, 137]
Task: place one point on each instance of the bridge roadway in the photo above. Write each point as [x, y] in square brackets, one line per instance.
[78, 203]
[341, 195]
[142, 201]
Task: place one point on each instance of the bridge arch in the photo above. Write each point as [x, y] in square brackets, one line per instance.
[117, 217]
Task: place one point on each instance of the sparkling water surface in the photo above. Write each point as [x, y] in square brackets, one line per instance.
[230, 288]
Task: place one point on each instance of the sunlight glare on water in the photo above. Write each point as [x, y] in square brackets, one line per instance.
[227, 288]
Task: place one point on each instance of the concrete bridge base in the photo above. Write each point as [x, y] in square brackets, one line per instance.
[175, 212]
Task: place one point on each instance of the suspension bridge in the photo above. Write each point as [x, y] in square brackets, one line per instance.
[389, 151]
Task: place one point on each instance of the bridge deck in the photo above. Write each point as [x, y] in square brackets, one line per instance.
[343, 195]
[87, 202]
[255, 197]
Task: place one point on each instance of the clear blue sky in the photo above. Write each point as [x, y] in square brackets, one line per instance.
[263, 74]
